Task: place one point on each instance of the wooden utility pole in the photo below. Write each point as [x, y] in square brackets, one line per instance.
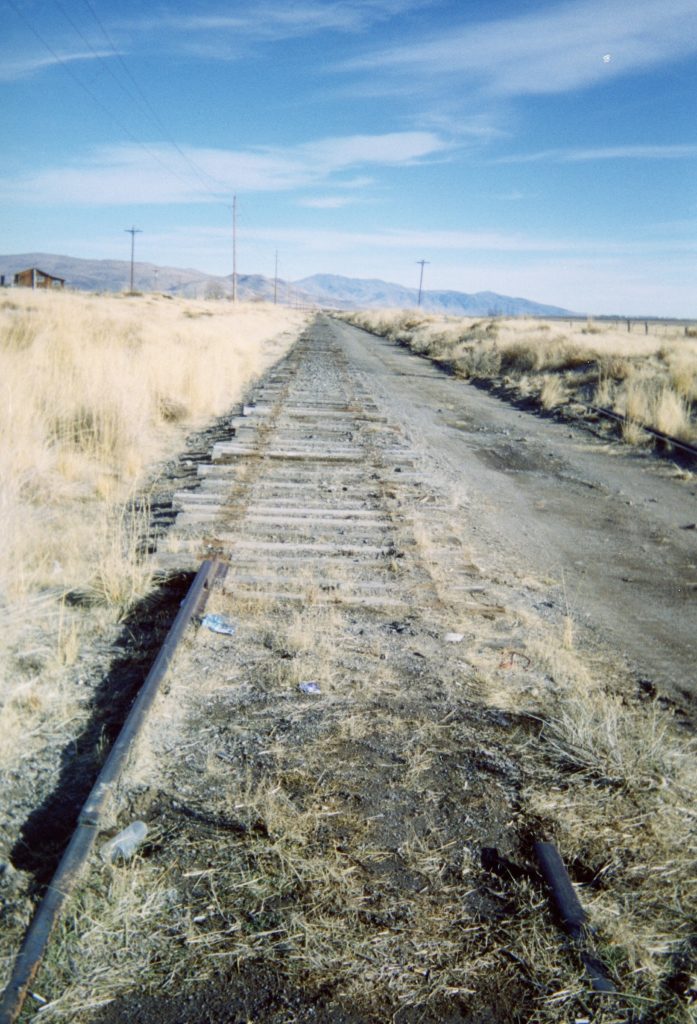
[421, 278]
[133, 232]
[275, 280]
[234, 248]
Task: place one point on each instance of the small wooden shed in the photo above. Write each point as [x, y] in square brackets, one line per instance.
[35, 278]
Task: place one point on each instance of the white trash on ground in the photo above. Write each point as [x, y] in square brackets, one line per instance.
[125, 844]
[218, 624]
[309, 687]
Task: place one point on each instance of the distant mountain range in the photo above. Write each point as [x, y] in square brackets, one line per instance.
[358, 293]
[326, 290]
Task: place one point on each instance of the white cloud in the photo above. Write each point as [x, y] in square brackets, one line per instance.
[438, 244]
[426, 241]
[129, 174]
[514, 196]
[24, 67]
[553, 51]
[273, 21]
[645, 152]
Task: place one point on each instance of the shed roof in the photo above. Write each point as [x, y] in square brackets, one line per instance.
[43, 273]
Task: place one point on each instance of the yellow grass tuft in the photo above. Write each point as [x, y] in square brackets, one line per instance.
[552, 393]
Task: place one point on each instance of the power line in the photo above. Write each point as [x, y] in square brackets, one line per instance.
[147, 106]
[140, 98]
[93, 96]
[152, 153]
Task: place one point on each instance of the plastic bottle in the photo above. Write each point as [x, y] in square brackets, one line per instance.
[125, 844]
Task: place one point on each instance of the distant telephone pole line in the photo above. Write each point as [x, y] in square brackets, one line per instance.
[133, 232]
[422, 263]
[275, 280]
[234, 248]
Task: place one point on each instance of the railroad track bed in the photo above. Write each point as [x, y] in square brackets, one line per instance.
[320, 783]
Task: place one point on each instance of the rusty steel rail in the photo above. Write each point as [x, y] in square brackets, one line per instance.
[683, 446]
[572, 917]
[75, 856]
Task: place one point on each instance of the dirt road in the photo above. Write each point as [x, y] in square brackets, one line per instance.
[618, 528]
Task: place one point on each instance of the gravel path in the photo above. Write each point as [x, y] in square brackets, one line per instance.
[553, 500]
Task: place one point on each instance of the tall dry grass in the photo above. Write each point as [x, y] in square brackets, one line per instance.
[95, 391]
[648, 378]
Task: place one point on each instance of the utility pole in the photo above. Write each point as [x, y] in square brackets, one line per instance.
[234, 248]
[423, 263]
[275, 280]
[133, 232]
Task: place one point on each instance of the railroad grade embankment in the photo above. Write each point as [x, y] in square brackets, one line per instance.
[403, 689]
[638, 384]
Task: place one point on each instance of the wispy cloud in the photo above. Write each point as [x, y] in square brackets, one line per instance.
[559, 49]
[276, 21]
[509, 248]
[129, 174]
[24, 67]
[580, 155]
[506, 247]
[412, 241]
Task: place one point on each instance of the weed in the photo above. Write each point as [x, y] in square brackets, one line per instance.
[553, 392]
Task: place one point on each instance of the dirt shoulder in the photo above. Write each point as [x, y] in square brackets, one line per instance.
[614, 528]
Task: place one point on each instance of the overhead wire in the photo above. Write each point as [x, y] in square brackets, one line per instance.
[137, 95]
[93, 95]
[118, 121]
[143, 99]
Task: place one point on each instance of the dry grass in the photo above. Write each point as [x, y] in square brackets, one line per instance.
[95, 391]
[615, 787]
[651, 379]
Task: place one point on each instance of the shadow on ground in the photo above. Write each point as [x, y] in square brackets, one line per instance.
[48, 828]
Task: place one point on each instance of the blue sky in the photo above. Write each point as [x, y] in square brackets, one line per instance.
[547, 150]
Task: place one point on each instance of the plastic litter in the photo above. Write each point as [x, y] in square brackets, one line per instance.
[454, 638]
[125, 844]
[218, 624]
[309, 687]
